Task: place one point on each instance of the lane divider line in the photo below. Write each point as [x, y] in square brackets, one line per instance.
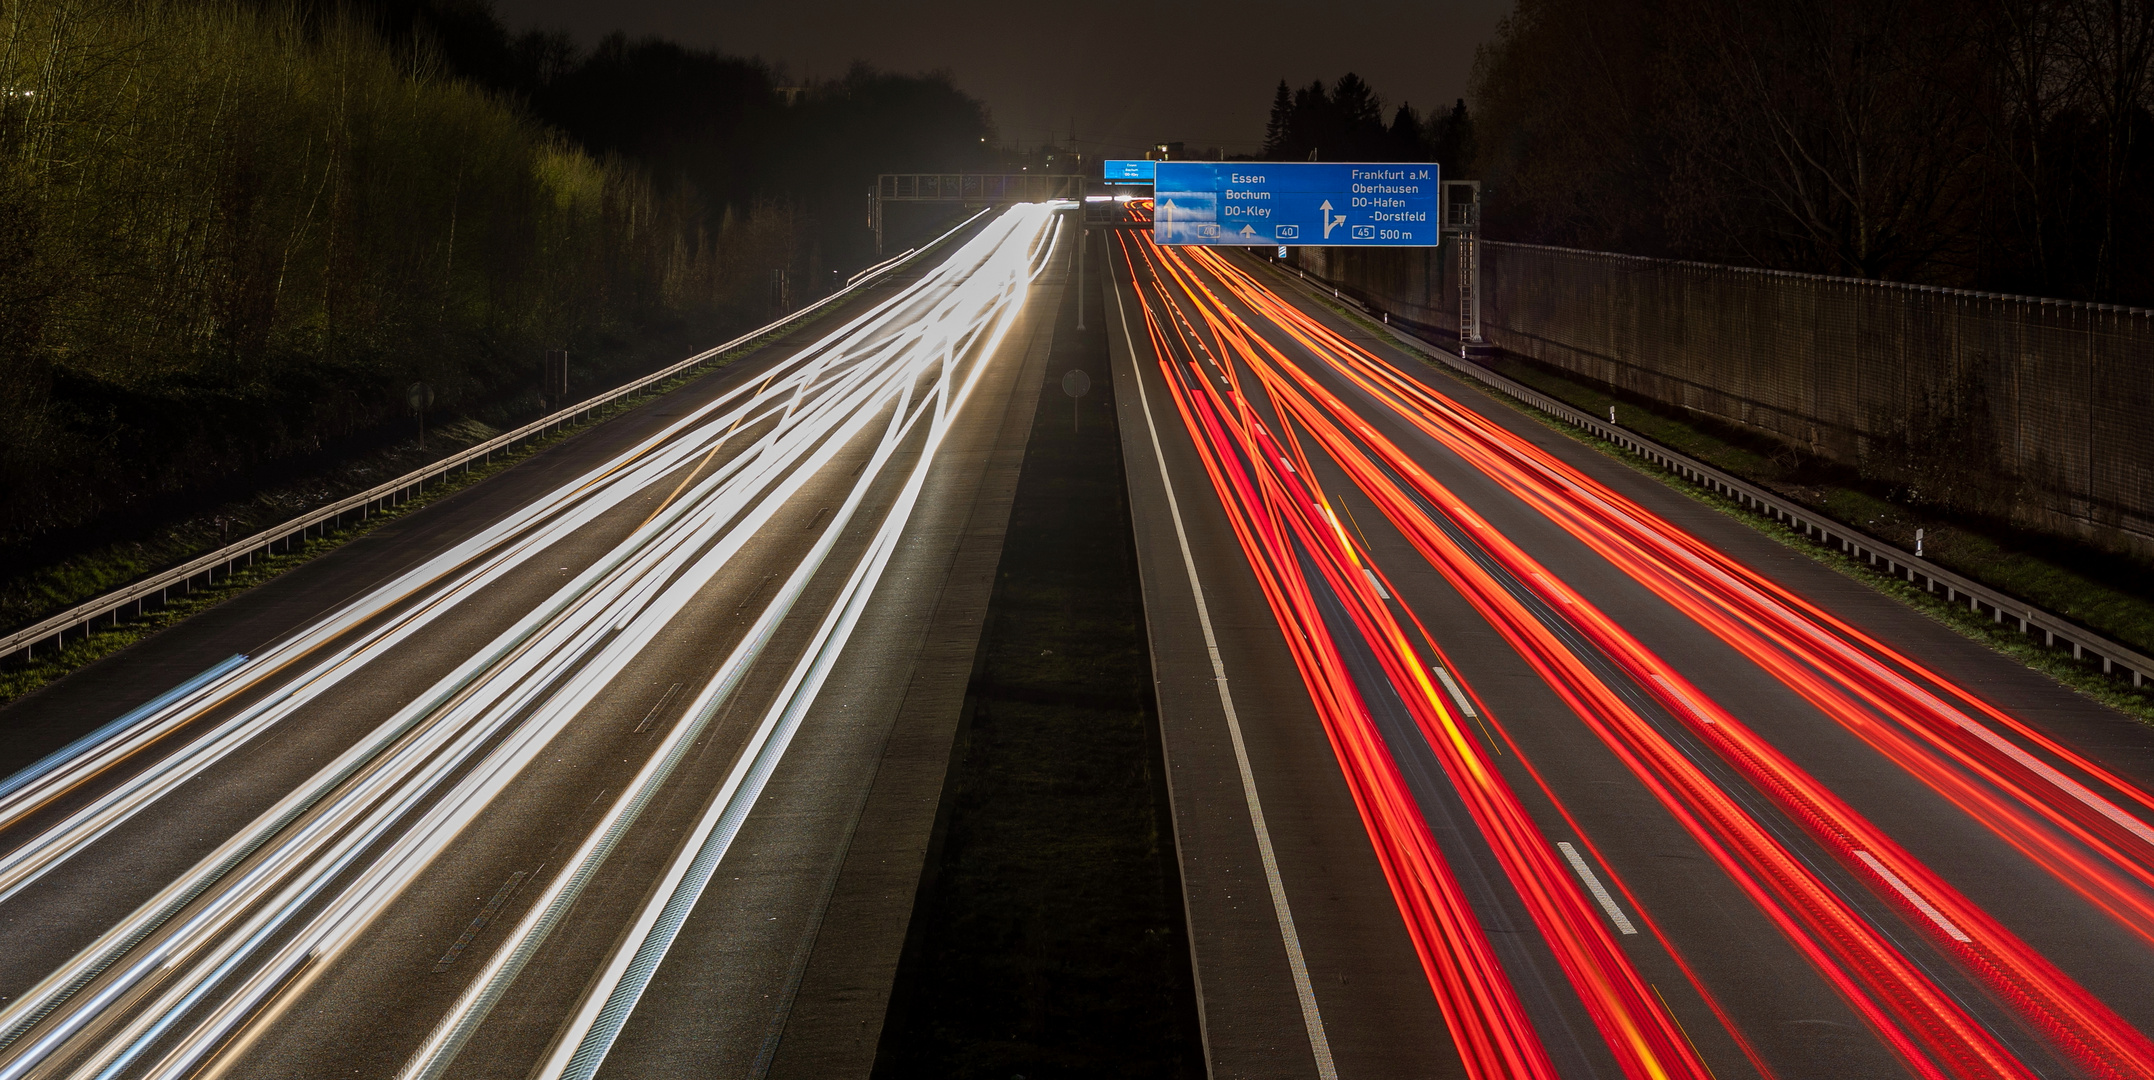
[1381, 592]
[1599, 891]
[1465, 704]
[1912, 897]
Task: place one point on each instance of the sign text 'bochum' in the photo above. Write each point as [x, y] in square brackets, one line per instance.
[1295, 203]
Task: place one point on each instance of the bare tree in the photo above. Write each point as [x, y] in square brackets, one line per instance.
[1566, 98]
[2032, 82]
[2111, 44]
[1831, 129]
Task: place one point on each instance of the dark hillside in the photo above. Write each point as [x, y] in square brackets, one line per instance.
[231, 235]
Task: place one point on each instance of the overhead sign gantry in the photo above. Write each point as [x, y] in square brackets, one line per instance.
[1296, 203]
[968, 189]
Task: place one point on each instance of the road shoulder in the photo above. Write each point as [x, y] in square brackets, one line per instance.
[1376, 1011]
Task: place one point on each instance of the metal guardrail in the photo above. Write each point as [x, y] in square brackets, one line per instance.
[2055, 631]
[131, 601]
[878, 267]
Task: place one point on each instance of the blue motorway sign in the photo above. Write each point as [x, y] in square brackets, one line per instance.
[1129, 170]
[1295, 204]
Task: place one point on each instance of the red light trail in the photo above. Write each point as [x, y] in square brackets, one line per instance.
[1276, 512]
[1267, 484]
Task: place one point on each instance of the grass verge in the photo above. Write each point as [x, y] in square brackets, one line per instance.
[48, 574]
[2106, 592]
[16, 681]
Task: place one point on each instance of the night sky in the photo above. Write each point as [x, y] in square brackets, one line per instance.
[1127, 75]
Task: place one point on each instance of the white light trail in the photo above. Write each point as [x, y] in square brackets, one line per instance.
[607, 1006]
[174, 956]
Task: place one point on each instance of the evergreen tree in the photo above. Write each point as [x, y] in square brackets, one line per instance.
[1312, 122]
[1451, 141]
[1407, 140]
[1356, 103]
[1344, 122]
[1278, 131]
[1358, 119]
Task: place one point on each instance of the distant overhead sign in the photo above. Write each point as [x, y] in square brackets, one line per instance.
[1295, 204]
[1129, 170]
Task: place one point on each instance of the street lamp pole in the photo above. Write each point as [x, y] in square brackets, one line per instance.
[1083, 212]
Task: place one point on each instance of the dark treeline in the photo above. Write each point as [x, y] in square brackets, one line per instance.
[2001, 145]
[232, 232]
[714, 123]
[1346, 122]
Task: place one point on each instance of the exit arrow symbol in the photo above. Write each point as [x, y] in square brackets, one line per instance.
[1166, 216]
[1330, 222]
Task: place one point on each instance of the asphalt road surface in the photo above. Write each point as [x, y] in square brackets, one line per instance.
[1489, 755]
[1493, 756]
[624, 760]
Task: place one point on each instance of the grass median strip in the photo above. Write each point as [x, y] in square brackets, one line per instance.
[1048, 938]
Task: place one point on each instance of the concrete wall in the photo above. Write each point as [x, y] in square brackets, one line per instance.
[2037, 410]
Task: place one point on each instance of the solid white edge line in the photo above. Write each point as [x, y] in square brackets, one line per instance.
[1319, 1043]
[1593, 885]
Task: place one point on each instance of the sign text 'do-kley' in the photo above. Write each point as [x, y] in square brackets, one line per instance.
[1296, 204]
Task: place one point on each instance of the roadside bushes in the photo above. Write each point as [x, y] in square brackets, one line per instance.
[229, 235]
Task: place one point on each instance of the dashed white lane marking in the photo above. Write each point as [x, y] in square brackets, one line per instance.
[1921, 905]
[1465, 704]
[1381, 592]
[1593, 885]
